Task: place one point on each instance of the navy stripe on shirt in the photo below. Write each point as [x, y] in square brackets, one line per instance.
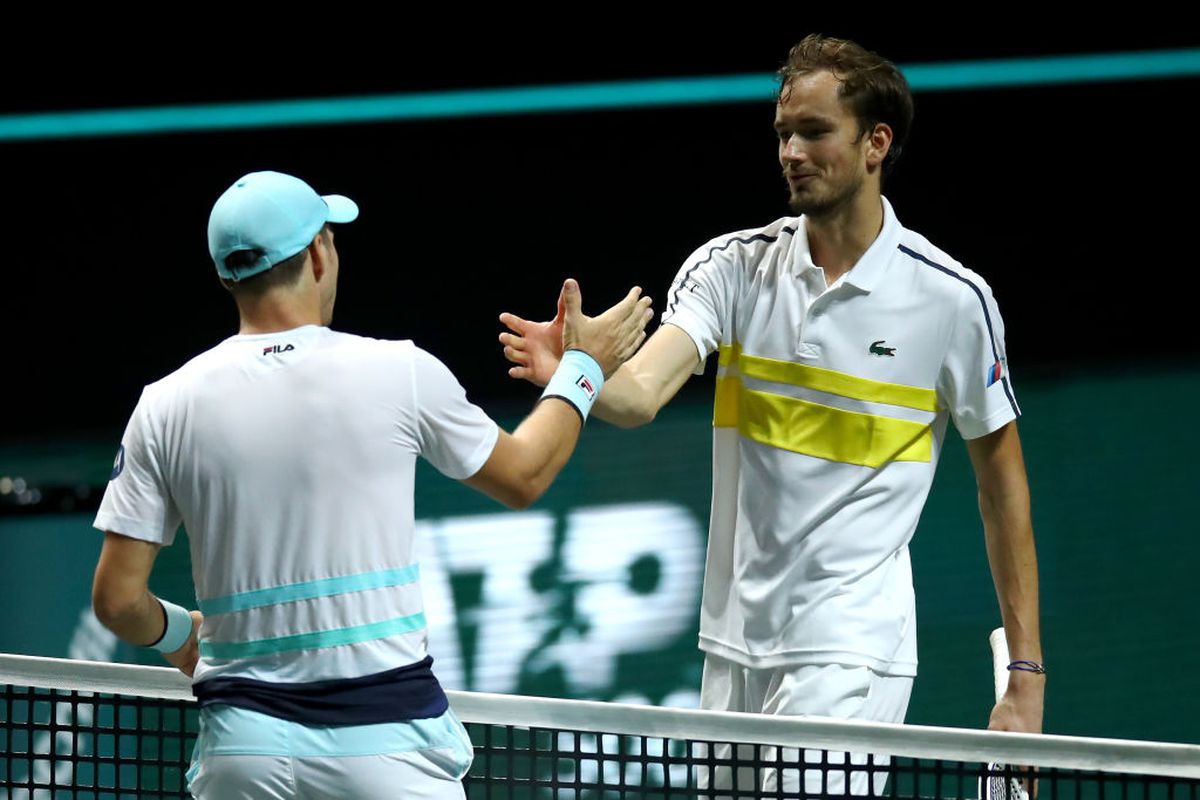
[396, 695]
[758, 237]
[986, 316]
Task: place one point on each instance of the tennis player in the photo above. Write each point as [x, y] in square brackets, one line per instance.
[846, 343]
[288, 452]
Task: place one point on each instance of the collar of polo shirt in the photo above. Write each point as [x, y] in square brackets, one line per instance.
[870, 268]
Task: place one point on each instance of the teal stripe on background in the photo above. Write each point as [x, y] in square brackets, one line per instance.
[1053, 70]
[313, 640]
[307, 590]
[950, 76]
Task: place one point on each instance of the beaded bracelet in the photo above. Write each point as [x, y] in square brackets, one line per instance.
[1028, 666]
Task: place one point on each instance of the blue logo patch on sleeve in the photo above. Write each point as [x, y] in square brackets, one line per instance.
[118, 463]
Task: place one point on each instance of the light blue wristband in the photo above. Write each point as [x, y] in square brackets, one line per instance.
[178, 630]
[577, 381]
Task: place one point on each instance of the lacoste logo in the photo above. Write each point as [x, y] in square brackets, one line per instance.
[277, 349]
[877, 349]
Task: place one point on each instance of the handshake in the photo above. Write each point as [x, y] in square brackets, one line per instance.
[536, 348]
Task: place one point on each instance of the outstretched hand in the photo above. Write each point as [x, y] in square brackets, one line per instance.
[611, 338]
[535, 347]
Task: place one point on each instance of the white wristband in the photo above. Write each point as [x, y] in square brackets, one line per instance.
[178, 629]
[577, 380]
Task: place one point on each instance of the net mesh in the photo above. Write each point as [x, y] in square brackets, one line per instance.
[67, 743]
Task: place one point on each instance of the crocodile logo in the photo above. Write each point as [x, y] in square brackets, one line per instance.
[877, 349]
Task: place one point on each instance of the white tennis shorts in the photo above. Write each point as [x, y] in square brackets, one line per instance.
[827, 690]
[244, 755]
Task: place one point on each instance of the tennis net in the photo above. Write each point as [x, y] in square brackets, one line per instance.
[77, 729]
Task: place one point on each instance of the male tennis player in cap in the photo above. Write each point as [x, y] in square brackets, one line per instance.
[288, 451]
[846, 342]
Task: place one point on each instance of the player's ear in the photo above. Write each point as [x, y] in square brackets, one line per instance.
[317, 256]
[879, 142]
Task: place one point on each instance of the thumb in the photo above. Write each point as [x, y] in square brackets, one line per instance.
[572, 301]
[561, 311]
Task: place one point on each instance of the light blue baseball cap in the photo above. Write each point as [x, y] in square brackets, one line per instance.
[273, 215]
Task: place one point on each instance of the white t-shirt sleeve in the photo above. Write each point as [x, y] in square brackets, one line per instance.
[138, 502]
[700, 297]
[453, 434]
[974, 383]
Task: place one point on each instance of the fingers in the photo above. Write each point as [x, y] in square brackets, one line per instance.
[639, 316]
[630, 301]
[633, 347]
[515, 342]
[519, 357]
[513, 322]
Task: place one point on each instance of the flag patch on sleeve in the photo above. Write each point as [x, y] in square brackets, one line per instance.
[993, 373]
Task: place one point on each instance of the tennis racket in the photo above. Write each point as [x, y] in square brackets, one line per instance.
[996, 786]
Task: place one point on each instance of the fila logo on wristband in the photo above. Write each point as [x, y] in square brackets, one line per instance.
[577, 381]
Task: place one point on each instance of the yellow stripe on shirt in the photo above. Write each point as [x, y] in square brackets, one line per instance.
[828, 380]
[814, 429]
[817, 430]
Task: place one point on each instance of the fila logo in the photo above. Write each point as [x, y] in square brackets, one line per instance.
[277, 349]
[586, 385]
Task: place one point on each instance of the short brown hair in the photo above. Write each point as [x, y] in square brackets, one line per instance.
[874, 87]
[284, 273]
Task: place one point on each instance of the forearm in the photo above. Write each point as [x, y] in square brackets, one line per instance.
[546, 439]
[1010, 546]
[626, 401]
[524, 463]
[633, 395]
[1008, 531]
[137, 618]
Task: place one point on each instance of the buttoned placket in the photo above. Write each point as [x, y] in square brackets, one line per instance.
[814, 287]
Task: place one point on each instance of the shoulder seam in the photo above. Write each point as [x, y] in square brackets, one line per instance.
[987, 317]
[758, 237]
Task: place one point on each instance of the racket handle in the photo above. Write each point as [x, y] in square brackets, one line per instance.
[999, 644]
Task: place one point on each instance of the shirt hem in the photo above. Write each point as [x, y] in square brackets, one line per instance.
[989, 424]
[681, 318]
[134, 529]
[788, 658]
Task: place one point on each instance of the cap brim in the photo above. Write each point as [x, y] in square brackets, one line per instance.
[341, 209]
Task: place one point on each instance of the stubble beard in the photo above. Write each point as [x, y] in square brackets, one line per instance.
[821, 205]
[829, 202]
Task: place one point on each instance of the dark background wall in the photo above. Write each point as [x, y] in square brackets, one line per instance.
[1072, 201]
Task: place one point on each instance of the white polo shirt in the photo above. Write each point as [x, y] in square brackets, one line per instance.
[290, 459]
[830, 412]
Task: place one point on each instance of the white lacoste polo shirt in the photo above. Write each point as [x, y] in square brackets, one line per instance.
[830, 412]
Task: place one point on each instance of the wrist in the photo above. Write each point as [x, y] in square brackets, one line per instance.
[1023, 683]
[177, 628]
[577, 382]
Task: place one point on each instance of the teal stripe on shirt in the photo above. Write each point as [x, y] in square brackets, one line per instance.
[314, 640]
[307, 590]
